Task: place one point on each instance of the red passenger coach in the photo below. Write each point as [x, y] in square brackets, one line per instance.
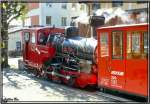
[123, 58]
[36, 49]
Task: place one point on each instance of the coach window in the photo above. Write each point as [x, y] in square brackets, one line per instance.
[136, 42]
[104, 44]
[129, 45]
[145, 44]
[33, 38]
[117, 46]
[133, 45]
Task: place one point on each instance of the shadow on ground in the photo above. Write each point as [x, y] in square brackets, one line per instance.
[9, 73]
[68, 93]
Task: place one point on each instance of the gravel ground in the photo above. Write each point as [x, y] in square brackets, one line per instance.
[25, 87]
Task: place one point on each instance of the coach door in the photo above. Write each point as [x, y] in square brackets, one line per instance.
[103, 73]
[116, 64]
[136, 62]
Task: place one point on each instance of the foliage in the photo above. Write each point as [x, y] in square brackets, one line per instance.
[10, 10]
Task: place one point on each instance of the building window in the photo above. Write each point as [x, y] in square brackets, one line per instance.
[63, 21]
[82, 7]
[117, 45]
[49, 4]
[18, 45]
[74, 5]
[48, 20]
[117, 3]
[64, 5]
[95, 6]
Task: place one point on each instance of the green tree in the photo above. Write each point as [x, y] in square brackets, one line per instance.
[10, 10]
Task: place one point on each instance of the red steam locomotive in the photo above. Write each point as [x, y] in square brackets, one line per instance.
[48, 52]
[117, 60]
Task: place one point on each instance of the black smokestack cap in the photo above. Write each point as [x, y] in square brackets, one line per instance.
[96, 21]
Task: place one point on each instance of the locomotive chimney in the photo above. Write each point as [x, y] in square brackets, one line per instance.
[96, 21]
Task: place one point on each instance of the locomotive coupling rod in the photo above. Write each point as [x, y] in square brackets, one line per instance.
[57, 74]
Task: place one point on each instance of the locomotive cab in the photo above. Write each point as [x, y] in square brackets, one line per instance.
[36, 49]
[61, 55]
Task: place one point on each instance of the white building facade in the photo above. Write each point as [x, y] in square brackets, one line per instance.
[50, 14]
[15, 41]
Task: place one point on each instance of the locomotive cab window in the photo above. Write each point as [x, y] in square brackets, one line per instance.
[51, 38]
[137, 45]
[26, 36]
[42, 40]
[33, 38]
[117, 45]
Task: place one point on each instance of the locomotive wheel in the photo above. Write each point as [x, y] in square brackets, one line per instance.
[71, 82]
[35, 72]
[102, 89]
[27, 69]
[49, 77]
[44, 75]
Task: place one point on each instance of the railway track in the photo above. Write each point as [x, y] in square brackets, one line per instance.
[92, 92]
[113, 97]
[107, 96]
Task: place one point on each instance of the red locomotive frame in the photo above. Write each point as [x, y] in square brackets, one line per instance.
[123, 58]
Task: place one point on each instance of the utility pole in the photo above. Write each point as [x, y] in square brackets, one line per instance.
[90, 13]
[89, 8]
